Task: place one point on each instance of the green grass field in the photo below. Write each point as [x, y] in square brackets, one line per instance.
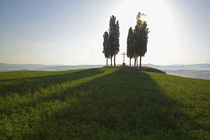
[104, 104]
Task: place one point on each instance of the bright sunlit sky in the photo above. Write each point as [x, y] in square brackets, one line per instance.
[70, 32]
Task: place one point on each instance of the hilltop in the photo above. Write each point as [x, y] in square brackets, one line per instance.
[144, 69]
[103, 103]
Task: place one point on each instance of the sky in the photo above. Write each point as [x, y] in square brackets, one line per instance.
[70, 32]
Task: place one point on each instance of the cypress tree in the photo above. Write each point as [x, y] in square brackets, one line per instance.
[137, 43]
[111, 36]
[114, 35]
[106, 47]
[140, 38]
[130, 44]
[117, 42]
[144, 40]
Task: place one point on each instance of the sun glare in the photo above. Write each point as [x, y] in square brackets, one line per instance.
[161, 22]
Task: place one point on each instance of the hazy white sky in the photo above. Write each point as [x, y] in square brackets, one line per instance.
[70, 32]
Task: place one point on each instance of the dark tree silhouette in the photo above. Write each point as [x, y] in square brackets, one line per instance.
[117, 41]
[144, 39]
[106, 47]
[140, 38]
[130, 44]
[137, 40]
[111, 40]
[114, 35]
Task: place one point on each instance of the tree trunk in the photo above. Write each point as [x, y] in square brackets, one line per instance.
[107, 62]
[130, 62]
[111, 61]
[140, 62]
[114, 61]
[135, 62]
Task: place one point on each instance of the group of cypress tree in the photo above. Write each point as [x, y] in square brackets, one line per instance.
[136, 40]
[111, 40]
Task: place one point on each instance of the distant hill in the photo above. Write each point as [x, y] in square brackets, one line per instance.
[201, 71]
[196, 67]
[200, 74]
[35, 67]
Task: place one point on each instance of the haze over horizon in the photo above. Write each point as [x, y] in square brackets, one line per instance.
[70, 32]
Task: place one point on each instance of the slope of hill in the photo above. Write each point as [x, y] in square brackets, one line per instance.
[103, 103]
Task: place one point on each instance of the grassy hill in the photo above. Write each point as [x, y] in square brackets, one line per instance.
[103, 103]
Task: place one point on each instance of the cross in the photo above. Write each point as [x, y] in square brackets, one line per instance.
[123, 57]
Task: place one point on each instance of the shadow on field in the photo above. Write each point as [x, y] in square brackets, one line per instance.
[120, 105]
[23, 85]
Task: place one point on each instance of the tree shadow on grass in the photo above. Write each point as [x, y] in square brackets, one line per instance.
[30, 85]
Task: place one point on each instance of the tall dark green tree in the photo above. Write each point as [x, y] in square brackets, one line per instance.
[106, 47]
[137, 42]
[114, 35]
[130, 44]
[140, 38]
[144, 31]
